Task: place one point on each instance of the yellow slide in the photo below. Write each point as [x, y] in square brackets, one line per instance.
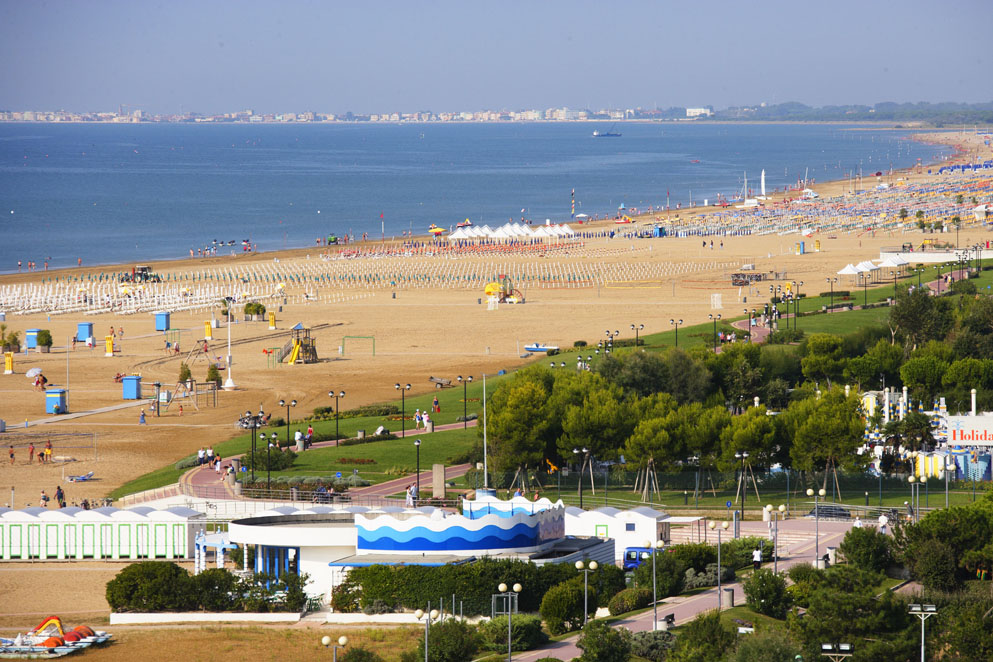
[295, 354]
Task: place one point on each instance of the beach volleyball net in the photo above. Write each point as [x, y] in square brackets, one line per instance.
[66, 446]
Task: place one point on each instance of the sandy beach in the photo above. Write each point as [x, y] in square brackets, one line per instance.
[421, 328]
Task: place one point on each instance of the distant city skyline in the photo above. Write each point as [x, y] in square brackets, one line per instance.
[399, 57]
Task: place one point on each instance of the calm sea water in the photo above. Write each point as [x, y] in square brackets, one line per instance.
[126, 193]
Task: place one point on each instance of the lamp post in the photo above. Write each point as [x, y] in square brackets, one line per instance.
[836, 652]
[654, 546]
[332, 394]
[586, 455]
[937, 269]
[715, 319]
[268, 456]
[342, 642]
[831, 282]
[510, 596]
[915, 495]
[724, 526]
[676, 324]
[922, 612]
[894, 273]
[776, 516]
[586, 569]
[919, 271]
[610, 339]
[744, 482]
[636, 329]
[749, 325]
[428, 616]
[403, 407]
[417, 445]
[465, 404]
[284, 403]
[256, 423]
[948, 468]
[817, 523]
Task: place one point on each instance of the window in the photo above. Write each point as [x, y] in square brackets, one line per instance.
[629, 526]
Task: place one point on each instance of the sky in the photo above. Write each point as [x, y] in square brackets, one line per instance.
[386, 55]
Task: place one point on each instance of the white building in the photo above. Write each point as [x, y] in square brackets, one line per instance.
[699, 112]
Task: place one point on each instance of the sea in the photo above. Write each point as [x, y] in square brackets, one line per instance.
[126, 193]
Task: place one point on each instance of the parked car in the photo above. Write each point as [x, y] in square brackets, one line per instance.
[828, 511]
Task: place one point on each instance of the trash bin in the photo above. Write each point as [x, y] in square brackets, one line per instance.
[236, 464]
[832, 553]
[429, 427]
[3, 425]
[31, 338]
[728, 597]
[360, 434]
[820, 563]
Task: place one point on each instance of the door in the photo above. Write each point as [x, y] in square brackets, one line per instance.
[160, 540]
[52, 540]
[124, 540]
[69, 540]
[141, 538]
[88, 541]
[33, 547]
[106, 541]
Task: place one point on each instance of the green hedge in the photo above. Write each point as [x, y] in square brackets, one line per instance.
[629, 599]
[270, 459]
[526, 633]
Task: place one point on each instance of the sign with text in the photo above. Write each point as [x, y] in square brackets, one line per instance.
[970, 430]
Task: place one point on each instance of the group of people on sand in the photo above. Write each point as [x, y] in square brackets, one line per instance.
[44, 455]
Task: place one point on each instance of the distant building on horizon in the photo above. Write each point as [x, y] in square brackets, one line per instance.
[699, 112]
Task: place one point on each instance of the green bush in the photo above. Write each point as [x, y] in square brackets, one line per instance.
[602, 643]
[669, 573]
[932, 562]
[526, 633]
[184, 373]
[215, 590]
[150, 586]
[629, 599]
[765, 593]
[708, 577]
[213, 374]
[652, 645]
[271, 459]
[703, 639]
[551, 352]
[345, 598]
[187, 462]
[562, 608]
[579, 343]
[694, 555]
[359, 654]
[607, 580]
[44, 338]
[451, 641]
[769, 645]
[803, 572]
[867, 548]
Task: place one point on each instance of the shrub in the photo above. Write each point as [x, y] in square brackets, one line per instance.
[184, 373]
[213, 374]
[629, 599]
[784, 336]
[271, 459]
[44, 338]
[579, 343]
[933, 563]
[562, 608]
[704, 638]
[186, 462]
[803, 572]
[551, 352]
[767, 645]
[345, 597]
[708, 577]
[359, 654]
[451, 641]
[669, 573]
[526, 633]
[867, 548]
[652, 645]
[607, 580]
[602, 643]
[694, 555]
[215, 590]
[765, 593]
[150, 586]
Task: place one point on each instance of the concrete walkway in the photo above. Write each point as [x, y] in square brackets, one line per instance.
[60, 418]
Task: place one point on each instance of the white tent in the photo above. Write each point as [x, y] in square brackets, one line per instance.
[849, 270]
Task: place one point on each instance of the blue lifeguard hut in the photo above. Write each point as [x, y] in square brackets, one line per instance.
[84, 331]
[31, 338]
[162, 321]
[131, 387]
[55, 401]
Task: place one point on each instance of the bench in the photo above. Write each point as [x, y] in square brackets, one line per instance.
[440, 382]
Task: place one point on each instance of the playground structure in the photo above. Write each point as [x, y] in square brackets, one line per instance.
[344, 338]
[503, 291]
[190, 392]
[300, 348]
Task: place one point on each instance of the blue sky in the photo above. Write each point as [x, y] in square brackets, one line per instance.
[387, 55]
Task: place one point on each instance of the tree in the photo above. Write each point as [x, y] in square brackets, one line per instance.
[824, 359]
[602, 643]
[150, 586]
[650, 444]
[923, 376]
[213, 375]
[562, 607]
[769, 645]
[919, 317]
[703, 639]
[688, 378]
[753, 432]
[601, 424]
[452, 640]
[932, 562]
[669, 575]
[765, 593]
[903, 213]
[516, 424]
[867, 548]
[825, 430]
[184, 373]
[640, 373]
[882, 361]
[968, 632]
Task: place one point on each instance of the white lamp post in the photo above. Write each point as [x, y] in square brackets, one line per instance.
[836, 652]
[229, 382]
[342, 642]
[724, 526]
[657, 545]
[922, 612]
[511, 597]
[586, 569]
[817, 524]
[776, 516]
[428, 617]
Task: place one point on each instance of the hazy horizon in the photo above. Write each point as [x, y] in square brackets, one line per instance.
[403, 57]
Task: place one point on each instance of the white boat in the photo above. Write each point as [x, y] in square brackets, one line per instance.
[539, 347]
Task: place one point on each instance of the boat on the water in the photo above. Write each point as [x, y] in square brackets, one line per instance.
[606, 134]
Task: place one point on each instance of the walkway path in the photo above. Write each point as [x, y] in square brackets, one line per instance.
[60, 418]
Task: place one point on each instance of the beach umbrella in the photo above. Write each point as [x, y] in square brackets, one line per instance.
[32, 373]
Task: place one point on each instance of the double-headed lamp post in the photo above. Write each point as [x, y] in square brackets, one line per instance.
[657, 545]
[724, 527]
[465, 403]
[776, 515]
[636, 329]
[417, 445]
[716, 319]
[586, 456]
[676, 323]
[511, 597]
[947, 469]
[403, 406]
[336, 395]
[915, 495]
[341, 643]
[256, 422]
[922, 612]
[817, 523]
[284, 403]
[836, 652]
[428, 616]
[586, 569]
[273, 439]
[831, 282]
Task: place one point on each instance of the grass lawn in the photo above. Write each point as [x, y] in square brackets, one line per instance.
[162, 476]
[759, 621]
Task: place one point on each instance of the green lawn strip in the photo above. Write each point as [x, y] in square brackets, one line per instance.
[161, 477]
[760, 621]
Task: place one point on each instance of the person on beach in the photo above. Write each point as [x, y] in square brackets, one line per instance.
[60, 497]
[409, 497]
[435, 406]
[44, 499]
[417, 419]
[12, 455]
[141, 418]
[30, 453]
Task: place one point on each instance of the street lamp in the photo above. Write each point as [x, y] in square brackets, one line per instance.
[510, 596]
[915, 495]
[586, 569]
[636, 329]
[256, 423]
[716, 319]
[724, 527]
[658, 544]
[332, 394]
[342, 642]
[586, 455]
[831, 282]
[894, 273]
[417, 445]
[948, 468]
[919, 271]
[937, 269]
[922, 612]
[744, 482]
[776, 516]
[403, 406]
[836, 652]
[268, 458]
[817, 523]
[465, 404]
[676, 324]
[284, 403]
[428, 617]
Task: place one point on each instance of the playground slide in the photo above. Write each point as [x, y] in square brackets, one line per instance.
[296, 353]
